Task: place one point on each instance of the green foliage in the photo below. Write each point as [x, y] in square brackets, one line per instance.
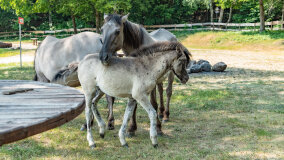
[38, 12]
[8, 19]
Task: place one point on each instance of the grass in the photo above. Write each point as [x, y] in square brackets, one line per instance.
[237, 114]
[213, 116]
[247, 41]
[14, 71]
[4, 52]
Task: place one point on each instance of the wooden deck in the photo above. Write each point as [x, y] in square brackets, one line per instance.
[37, 108]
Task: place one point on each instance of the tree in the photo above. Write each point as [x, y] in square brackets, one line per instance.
[261, 16]
[283, 14]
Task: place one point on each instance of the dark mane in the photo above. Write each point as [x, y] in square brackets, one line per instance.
[133, 33]
[161, 47]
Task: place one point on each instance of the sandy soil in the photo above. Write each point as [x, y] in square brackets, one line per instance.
[234, 59]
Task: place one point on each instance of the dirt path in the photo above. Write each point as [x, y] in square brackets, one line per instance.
[242, 59]
[234, 59]
[26, 57]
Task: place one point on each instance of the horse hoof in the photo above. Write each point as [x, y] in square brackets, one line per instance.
[125, 145]
[110, 127]
[165, 120]
[102, 135]
[130, 134]
[93, 146]
[155, 145]
[83, 128]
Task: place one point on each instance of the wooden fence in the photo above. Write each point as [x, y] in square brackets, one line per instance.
[275, 25]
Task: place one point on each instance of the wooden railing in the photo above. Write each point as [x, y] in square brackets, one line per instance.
[275, 25]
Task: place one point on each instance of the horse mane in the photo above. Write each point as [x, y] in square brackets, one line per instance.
[133, 33]
[161, 47]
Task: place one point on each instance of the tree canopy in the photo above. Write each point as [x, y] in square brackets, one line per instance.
[57, 14]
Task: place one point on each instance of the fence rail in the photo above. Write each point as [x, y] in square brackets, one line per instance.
[274, 25]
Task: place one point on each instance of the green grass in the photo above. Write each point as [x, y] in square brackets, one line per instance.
[14, 71]
[250, 41]
[213, 116]
[4, 52]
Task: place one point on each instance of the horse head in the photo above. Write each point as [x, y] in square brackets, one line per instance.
[112, 36]
[180, 64]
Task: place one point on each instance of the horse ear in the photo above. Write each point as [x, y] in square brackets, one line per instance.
[124, 18]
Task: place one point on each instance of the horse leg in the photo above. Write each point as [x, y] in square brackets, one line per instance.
[97, 114]
[133, 125]
[110, 101]
[153, 100]
[146, 104]
[162, 107]
[89, 94]
[169, 95]
[128, 112]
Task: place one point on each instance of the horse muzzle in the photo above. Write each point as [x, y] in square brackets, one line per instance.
[104, 59]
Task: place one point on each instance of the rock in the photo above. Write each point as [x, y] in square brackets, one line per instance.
[191, 63]
[195, 68]
[202, 61]
[219, 67]
[5, 45]
[188, 70]
[206, 67]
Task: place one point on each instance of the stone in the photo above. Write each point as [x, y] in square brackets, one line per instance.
[219, 67]
[202, 61]
[206, 67]
[195, 68]
[192, 62]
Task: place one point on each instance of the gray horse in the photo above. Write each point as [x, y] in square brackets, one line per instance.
[119, 33]
[56, 59]
[132, 77]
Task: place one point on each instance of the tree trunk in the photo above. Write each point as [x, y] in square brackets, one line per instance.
[283, 15]
[50, 19]
[49, 14]
[74, 24]
[211, 11]
[97, 21]
[230, 14]
[261, 16]
[221, 15]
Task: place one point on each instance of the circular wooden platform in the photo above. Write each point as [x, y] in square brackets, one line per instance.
[35, 108]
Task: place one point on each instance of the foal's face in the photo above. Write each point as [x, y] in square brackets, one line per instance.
[179, 69]
[112, 38]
